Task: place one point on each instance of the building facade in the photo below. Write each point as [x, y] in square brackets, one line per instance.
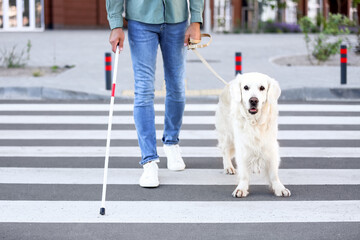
[67, 14]
[294, 10]
[37, 15]
[22, 15]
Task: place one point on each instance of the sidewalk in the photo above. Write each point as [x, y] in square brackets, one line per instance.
[85, 49]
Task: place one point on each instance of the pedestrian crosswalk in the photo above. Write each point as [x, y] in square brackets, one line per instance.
[189, 177]
[194, 152]
[337, 120]
[185, 134]
[52, 156]
[184, 212]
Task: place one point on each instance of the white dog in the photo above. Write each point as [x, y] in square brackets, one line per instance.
[246, 122]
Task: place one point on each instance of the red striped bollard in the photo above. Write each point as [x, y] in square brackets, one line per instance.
[343, 62]
[108, 71]
[238, 66]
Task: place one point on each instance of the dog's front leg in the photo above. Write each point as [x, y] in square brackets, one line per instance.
[242, 170]
[242, 190]
[228, 166]
[273, 175]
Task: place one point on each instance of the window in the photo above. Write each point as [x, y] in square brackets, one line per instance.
[38, 13]
[12, 13]
[26, 14]
[21, 15]
[1, 15]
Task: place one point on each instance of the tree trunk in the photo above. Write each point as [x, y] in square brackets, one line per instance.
[339, 6]
[280, 11]
[255, 22]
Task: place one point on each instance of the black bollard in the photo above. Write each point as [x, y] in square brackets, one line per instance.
[238, 64]
[108, 71]
[343, 62]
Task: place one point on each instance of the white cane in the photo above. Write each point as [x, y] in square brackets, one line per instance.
[102, 209]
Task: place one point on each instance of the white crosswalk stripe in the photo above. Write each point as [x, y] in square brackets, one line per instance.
[184, 134]
[19, 207]
[189, 177]
[186, 151]
[161, 107]
[181, 212]
[319, 120]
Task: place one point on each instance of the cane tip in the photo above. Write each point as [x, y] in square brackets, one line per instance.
[102, 211]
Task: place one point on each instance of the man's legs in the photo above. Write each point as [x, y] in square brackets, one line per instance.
[174, 56]
[144, 40]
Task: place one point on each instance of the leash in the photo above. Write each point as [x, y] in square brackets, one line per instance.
[194, 44]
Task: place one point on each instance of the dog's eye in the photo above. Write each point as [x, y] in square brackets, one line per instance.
[262, 88]
[246, 88]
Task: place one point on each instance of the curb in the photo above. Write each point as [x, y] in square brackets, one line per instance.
[321, 94]
[296, 94]
[41, 93]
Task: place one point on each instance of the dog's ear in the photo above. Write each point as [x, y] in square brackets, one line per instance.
[274, 91]
[235, 89]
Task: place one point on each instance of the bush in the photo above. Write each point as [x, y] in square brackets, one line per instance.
[307, 26]
[14, 59]
[37, 73]
[337, 24]
[323, 47]
[357, 48]
[54, 68]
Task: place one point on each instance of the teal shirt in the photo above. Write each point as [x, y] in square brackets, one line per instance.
[153, 11]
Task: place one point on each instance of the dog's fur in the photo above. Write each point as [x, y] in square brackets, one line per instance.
[248, 132]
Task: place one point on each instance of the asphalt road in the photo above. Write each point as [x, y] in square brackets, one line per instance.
[51, 166]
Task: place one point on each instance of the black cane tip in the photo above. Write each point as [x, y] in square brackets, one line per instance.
[102, 211]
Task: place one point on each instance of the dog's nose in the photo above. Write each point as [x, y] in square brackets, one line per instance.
[253, 101]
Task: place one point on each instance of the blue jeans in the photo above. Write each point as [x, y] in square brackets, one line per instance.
[144, 40]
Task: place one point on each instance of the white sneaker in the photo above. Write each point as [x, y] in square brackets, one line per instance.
[174, 159]
[150, 177]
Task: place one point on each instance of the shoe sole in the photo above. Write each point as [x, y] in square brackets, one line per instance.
[180, 169]
[149, 186]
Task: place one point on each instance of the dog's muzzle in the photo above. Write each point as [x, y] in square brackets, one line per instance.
[253, 105]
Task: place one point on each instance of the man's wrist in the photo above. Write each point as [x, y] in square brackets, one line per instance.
[196, 24]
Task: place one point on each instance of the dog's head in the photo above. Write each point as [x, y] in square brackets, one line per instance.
[253, 91]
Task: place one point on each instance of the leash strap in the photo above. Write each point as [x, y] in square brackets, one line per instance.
[194, 44]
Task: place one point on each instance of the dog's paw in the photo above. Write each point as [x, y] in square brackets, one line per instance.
[282, 192]
[230, 170]
[240, 193]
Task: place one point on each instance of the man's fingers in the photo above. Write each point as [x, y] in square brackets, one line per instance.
[195, 37]
[194, 40]
[121, 44]
[186, 40]
[113, 46]
[114, 43]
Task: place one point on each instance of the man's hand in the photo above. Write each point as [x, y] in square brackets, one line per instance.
[192, 32]
[117, 36]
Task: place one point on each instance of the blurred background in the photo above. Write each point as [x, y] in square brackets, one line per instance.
[61, 44]
[224, 15]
